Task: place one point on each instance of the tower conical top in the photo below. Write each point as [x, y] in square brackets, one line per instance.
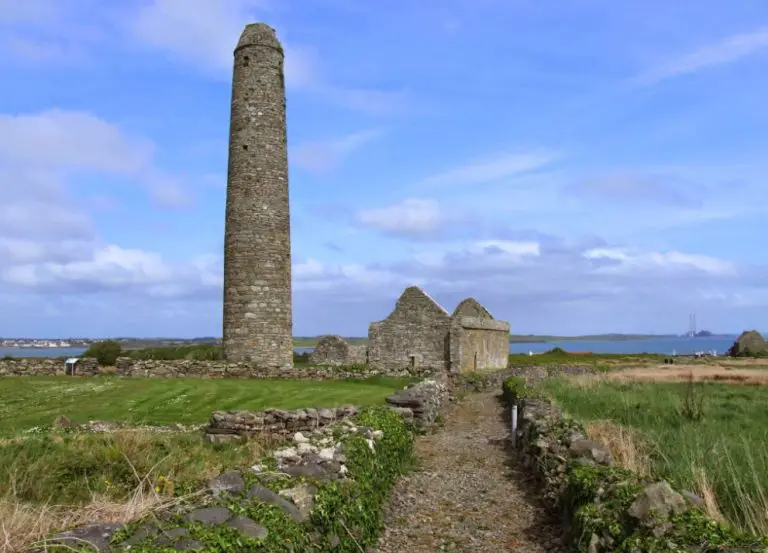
[259, 34]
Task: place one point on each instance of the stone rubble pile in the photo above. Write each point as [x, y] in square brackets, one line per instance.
[317, 456]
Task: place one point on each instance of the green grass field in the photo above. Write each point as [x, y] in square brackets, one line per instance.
[724, 451]
[27, 402]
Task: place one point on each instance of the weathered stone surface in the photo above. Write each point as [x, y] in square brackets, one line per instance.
[268, 496]
[257, 246]
[750, 343]
[273, 421]
[477, 340]
[303, 496]
[423, 401]
[210, 515]
[96, 536]
[335, 350]
[656, 502]
[590, 451]
[141, 533]
[231, 482]
[248, 527]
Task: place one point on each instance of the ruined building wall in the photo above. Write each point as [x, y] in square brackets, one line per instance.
[470, 307]
[257, 247]
[330, 350]
[479, 344]
[417, 327]
[478, 341]
[358, 355]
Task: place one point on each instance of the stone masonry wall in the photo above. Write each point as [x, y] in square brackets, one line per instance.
[127, 367]
[417, 327]
[257, 243]
[479, 344]
[331, 350]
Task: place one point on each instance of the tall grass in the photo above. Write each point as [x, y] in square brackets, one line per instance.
[59, 480]
[711, 438]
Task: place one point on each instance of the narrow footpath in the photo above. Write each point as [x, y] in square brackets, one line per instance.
[467, 494]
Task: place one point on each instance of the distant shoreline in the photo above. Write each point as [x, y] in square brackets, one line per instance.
[311, 341]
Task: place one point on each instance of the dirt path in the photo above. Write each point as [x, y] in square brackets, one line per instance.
[468, 496]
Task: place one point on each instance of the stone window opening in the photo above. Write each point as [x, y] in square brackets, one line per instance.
[413, 361]
[246, 61]
[475, 362]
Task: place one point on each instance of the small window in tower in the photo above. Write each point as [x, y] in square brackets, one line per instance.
[246, 59]
[245, 147]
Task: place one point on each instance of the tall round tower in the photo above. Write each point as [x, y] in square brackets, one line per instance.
[257, 243]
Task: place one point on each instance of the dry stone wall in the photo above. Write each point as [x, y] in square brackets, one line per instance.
[422, 402]
[46, 366]
[183, 368]
[605, 507]
[227, 425]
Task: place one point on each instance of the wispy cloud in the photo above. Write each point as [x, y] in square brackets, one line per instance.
[492, 169]
[322, 156]
[728, 50]
[412, 217]
[625, 188]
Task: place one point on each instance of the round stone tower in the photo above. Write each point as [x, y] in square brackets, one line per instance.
[257, 242]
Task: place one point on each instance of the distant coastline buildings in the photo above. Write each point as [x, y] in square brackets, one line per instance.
[34, 343]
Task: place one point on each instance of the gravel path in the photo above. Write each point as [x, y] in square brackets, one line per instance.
[468, 495]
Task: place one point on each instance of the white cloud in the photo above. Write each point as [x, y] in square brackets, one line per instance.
[661, 261]
[499, 167]
[41, 150]
[728, 50]
[197, 31]
[203, 34]
[74, 140]
[112, 268]
[321, 156]
[412, 216]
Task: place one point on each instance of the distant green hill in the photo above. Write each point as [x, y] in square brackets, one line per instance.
[311, 341]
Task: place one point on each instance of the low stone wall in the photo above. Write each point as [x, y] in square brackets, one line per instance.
[228, 425]
[133, 368]
[46, 366]
[422, 402]
[605, 507]
[492, 380]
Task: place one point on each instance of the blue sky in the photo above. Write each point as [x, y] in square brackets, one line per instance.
[578, 167]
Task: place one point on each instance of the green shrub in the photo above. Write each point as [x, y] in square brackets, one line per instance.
[106, 352]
